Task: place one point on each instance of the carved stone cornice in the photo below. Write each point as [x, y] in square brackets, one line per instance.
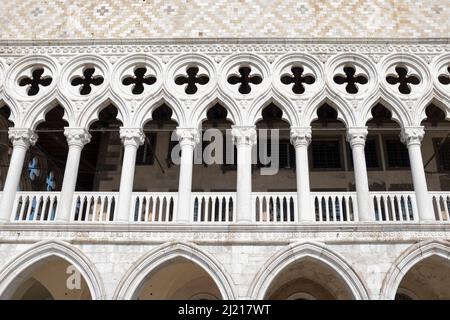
[22, 137]
[357, 136]
[188, 136]
[300, 136]
[244, 135]
[77, 136]
[412, 135]
[132, 136]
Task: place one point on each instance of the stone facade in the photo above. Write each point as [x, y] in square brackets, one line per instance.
[54, 19]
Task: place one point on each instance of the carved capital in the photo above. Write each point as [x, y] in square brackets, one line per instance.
[188, 136]
[357, 136]
[77, 136]
[412, 135]
[22, 137]
[300, 136]
[245, 135]
[132, 136]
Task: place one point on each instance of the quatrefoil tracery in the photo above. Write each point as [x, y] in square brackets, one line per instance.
[138, 80]
[403, 79]
[35, 81]
[87, 80]
[245, 78]
[351, 79]
[191, 80]
[298, 78]
[445, 78]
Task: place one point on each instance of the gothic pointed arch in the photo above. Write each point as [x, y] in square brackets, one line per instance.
[132, 280]
[295, 252]
[345, 113]
[91, 111]
[46, 249]
[410, 258]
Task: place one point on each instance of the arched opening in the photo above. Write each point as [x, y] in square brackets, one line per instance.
[52, 278]
[155, 170]
[178, 279]
[308, 279]
[436, 159]
[5, 144]
[329, 160]
[388, 168]
[100, 162]
[331, 168]
[386, 154]
[273, 168]
[45, 162]
[215, 156]
[426, 280]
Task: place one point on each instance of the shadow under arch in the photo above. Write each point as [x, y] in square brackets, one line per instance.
[288, 112]
[407, 260]
[43, 250]
[295, 252]
[200, 110]
[131, 282]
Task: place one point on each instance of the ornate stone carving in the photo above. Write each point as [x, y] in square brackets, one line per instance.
[22, 137]
[188, 136]
[300, 136]
[357, 136]
[412, 135]
[244, 135]
[77, 136]
[132, 136]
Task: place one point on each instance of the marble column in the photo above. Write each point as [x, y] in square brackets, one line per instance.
[412, 137]
[131, 138]
[21, 139]
[77, 138]
[244, 137]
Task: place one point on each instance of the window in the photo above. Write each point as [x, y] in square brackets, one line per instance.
[325, 154]
[145, 154]
[371, 153]
[396, 153]
[286, 154]
[442, 150]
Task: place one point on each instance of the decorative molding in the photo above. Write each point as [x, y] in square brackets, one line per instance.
[132, 136]
[357, 136]
[301, 137]
[77, 136]
[244, 135]
[412, 135]
[22, 137]
[188, 136]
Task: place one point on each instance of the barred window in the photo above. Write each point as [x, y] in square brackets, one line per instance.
[286, 154]
[397, 153]
[326, 154]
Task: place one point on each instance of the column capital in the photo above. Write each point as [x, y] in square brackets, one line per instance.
[412, 135]
[77, 136]
[357, 136]
[22, 137]
[244, 135]
[300, 136]
[132, 136]
[188, 136]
